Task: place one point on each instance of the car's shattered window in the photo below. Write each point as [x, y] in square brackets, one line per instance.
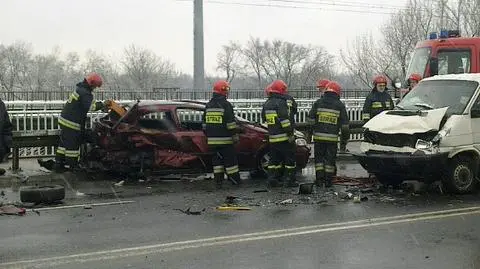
[454, 94]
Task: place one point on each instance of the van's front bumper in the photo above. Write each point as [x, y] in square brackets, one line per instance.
[405, 165]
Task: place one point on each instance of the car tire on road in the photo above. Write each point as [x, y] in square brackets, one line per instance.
[42, 194]
[460, 175]
[262, 164]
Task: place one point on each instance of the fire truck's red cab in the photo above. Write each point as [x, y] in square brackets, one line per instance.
[448, 53]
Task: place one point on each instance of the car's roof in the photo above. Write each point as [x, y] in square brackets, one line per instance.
[170, 103]
[466, 76]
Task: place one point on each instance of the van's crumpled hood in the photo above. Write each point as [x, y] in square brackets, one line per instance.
[406, 122]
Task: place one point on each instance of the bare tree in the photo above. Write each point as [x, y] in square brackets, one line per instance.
[318, 64]
[254, 53]
[229, 60]
[14, 65]
[358, 59]
[471, 22]
[145, 69]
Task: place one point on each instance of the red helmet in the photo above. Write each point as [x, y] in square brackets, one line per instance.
[379, 79]
[415, 77]
[94, 80]
[322, 83]
[279, 86]
[221, 87]
[268, 89]
[333, 86]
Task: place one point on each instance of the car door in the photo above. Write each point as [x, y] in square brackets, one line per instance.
[190, 132]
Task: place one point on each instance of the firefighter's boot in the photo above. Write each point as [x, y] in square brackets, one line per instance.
[235, 179]
[218, 177]
[272, 179]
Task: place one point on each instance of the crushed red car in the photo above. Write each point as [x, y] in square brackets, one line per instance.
[166, 137]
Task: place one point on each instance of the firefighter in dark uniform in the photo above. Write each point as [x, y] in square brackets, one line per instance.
[322, 85]
[220, 128]
[72, 122]
[328, 116]
[280, 135]
[378, 100]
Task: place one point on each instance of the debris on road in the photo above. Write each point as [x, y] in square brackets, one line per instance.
[305, 188]
[12, 210]
[119, 184]
[233, 208]
[87, 207]
[285, 202]
[189, 212]
[257, 191]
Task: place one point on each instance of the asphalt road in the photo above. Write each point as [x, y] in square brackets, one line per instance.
[390, 230]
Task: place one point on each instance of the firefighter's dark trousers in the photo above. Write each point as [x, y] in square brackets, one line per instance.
[68, 151]
[325, 158]
[225, 162]
[282, 156]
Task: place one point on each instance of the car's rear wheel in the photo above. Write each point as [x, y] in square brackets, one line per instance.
[261, 170]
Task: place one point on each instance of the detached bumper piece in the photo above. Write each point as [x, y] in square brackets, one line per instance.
[405, 165]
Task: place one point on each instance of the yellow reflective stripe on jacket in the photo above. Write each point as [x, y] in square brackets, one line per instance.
[69, 124]
[290, 167]
[274, 167]
[214, 115]
[218, 169]
[278, 138]
[73, 96]
[232, 169]
[219, 140]
[61, 150]
[319, 167]
[285, 123]
[377, 105]
[231, 125]
[72, 153]
[329, 168]
[366, 116]
[324, 137]
[271, 117]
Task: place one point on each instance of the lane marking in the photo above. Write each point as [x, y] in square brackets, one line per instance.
[414, 238]
[82, 205]
[224, 240]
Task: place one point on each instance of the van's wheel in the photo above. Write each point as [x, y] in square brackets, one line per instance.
[388, 180]
[460, 175]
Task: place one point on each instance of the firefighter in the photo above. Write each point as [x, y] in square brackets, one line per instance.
[281, 140]
[413, 80]
[220, 128]
[378, 100]
[72, 122]
[328, 116]
[322, 86]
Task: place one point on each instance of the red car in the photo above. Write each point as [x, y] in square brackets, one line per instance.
[166, 137]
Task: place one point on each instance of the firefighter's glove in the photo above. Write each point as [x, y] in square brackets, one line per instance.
[236, 138]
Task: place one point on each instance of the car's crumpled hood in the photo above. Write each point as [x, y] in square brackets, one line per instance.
[406, 122]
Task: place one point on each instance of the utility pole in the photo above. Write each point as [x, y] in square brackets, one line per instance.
[198, 54]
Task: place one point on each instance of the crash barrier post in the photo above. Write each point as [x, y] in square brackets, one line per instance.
[40, 138]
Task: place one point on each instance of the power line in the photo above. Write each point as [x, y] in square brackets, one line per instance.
[296, 7]
[342, 3]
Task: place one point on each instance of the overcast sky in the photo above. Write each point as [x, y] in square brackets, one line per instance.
[166, 26]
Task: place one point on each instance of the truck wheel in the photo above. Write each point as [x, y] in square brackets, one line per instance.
[460, 175]
[388, 180]
[42, 194]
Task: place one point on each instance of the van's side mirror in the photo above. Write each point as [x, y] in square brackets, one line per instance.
[433, 66]
[475, 112]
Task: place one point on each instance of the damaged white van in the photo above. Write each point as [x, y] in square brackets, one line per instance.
[433, 134]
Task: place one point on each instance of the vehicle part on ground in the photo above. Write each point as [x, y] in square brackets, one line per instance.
[305, 188]
[42, 194]
[389, 180]
[461, 175]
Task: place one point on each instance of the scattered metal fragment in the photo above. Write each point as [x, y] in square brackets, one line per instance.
[285, 202]
[257, 191]
[305, 188]
[189, 212]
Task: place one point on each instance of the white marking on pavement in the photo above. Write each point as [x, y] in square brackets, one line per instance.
[224, 240]
[82, 205]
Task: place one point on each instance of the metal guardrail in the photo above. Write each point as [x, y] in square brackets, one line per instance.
[34, 121]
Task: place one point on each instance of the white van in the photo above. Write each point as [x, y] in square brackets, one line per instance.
[433, 134]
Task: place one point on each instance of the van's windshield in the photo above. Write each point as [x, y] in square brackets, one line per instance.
[454, 94]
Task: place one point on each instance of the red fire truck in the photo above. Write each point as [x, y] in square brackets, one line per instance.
[446, 53]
